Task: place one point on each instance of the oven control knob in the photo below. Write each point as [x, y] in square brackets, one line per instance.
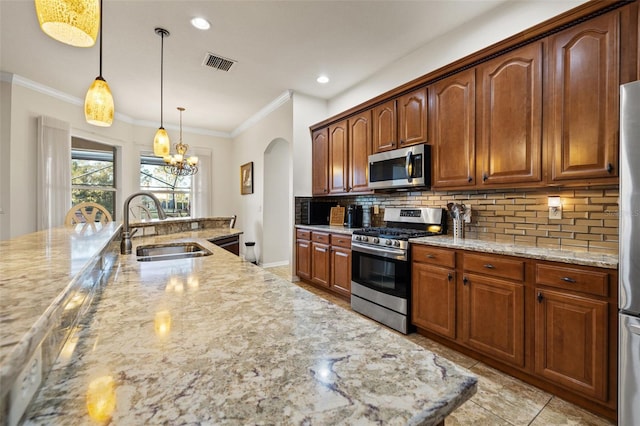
[388, 242]
[364, 239]
[356, 237]
[396, 243]
[376, 240]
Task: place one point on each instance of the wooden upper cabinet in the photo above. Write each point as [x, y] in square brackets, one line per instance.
[412, 118]
[320, 162]
[510, 118]
[452, 108]
[583, 116]
[359, 151]
[338, 160]
[385, 130]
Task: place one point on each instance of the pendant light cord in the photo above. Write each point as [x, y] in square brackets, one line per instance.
[100, 74]
[161, 77]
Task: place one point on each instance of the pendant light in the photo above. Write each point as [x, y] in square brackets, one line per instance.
[161, 144]
[73, 22]
[98, 104]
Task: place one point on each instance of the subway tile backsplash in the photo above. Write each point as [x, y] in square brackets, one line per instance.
[589, 216]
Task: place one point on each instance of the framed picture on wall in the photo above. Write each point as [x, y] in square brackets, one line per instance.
[246, 178]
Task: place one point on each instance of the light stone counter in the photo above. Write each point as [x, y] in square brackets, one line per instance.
[329, 228]
[217, 340]
[575, 257]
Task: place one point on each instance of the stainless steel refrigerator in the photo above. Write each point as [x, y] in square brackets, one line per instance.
[629, 266]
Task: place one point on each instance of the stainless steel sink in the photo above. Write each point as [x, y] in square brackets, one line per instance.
[171, 251]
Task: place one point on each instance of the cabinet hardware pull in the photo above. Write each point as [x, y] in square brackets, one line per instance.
[609, 167]
[469, 179]
[430, 256]
[540, 297]
[449, 276]
[489, 266]
[484, 177]
[465, 281]
[568, 280]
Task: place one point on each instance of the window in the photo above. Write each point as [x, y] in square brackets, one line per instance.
[93, 174]
[174, 192]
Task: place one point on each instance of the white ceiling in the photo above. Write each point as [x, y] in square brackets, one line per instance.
[279, 46]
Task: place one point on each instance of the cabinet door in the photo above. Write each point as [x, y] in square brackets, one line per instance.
[452, 106]
[341, 270]
[510, 117]
[493, 318]
[412, 118]
[433, 300]
[570, 341]
[303, 259]
[320, 263]
[320, 162]
[583, 83]
[385, 127]
[338, 158]
[359, 151]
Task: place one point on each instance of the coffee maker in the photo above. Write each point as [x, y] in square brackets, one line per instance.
[354, 216]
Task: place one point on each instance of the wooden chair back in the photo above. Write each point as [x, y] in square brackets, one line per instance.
[87, 213]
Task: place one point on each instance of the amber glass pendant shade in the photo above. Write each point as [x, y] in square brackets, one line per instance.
[73, 22]
[161, 144]
[98, 104]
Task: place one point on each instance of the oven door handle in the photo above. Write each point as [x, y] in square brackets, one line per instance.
[382, 252]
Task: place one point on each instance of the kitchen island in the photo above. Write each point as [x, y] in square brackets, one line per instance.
[217, 340]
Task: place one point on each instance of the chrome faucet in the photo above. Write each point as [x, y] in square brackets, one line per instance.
[125, 244]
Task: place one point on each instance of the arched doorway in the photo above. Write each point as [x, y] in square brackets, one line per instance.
[276, 243]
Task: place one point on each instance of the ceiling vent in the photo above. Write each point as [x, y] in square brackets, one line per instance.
[217, 62]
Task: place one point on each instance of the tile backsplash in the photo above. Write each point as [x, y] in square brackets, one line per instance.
[589, 216]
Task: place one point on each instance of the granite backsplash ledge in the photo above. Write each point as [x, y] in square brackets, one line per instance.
[175, 225]
[589, 217]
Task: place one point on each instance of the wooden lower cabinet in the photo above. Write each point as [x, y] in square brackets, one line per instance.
[493, 317]
[551, 324]
[341, 270]
[320, 264]
[571, 341]
[324, 259]
[433, 304]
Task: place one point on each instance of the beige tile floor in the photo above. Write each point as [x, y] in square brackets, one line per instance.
[500, 399]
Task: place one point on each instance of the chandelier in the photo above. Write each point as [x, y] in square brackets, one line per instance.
[178, 164]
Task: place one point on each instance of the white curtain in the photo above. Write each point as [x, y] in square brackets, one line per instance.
[54, 172]
[201, 187]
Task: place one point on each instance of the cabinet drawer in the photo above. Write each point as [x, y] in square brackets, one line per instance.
[321, 237]
[434, 256]
[340, 240]
[571, 278]
[495, 266]
[302, 234]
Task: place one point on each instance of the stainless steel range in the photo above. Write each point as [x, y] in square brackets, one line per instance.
[381, 267]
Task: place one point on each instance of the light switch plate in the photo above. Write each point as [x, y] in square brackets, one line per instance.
[25, 387]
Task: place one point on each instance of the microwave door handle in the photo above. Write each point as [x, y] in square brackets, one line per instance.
[409, 166]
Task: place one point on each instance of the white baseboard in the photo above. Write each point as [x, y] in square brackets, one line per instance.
[274, 264]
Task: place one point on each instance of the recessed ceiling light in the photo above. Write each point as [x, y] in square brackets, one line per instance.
[323, 79]
[200, 23]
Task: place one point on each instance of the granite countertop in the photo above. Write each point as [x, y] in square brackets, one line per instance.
[217, 340]
[36, 271]
[575, 257]
[329, 228]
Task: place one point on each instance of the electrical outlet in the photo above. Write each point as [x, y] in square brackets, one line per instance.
[25, 387]
[149, 230]
[194, 225]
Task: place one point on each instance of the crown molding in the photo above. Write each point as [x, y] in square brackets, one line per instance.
[57, 94]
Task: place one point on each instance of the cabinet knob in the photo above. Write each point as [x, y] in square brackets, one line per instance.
[540, 297]
[568, 280]
[484, 177]
[465, 280]
[450, 276]
[469, 179]
[609, 167]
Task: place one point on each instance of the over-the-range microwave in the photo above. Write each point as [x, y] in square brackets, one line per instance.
[401, 168]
